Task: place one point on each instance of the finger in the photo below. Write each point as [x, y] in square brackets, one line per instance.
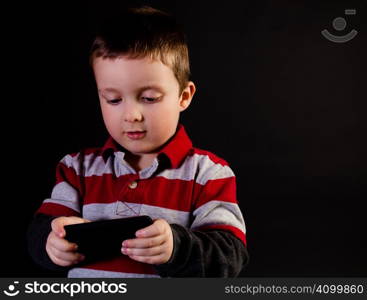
[144, 242]
[157, 228]
[70, 221]
[154, 251]
[152, 260]
[67, 256]
[53, 257]
[60, 243]
[62, 262]
[58, 224]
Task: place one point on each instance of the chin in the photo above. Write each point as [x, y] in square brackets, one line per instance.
[140, 150]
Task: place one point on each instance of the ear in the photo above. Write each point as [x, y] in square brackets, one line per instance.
[187, 95]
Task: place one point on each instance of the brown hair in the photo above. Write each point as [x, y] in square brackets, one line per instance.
[144, 32]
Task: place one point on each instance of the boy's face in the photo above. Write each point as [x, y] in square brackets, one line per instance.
[140, 101]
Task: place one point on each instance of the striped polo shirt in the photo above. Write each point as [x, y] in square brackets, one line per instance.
[184, 185]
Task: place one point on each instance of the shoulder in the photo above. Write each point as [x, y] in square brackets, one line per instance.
[205, 155]
[82, 159]
[209, 166]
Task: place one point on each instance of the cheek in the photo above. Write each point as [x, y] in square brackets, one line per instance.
[169, 110]
[110, 116]
[163, 122]
[163, 116]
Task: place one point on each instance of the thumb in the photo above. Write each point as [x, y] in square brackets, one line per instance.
[58, 224]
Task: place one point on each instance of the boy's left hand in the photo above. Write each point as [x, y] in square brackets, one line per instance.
[153, 245]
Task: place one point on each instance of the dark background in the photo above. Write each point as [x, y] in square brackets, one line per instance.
[283, 105]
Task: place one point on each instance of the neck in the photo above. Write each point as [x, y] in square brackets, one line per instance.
[140, 162]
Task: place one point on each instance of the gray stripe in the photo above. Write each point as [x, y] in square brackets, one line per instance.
[172, 216]
[125, 209]
[64, 194]
[94, 165]
[121, 167]
[90, 273]
[148, 172]
[118, 209]
[212, 171]
[219, 212]
[100, 211]
[208, 170]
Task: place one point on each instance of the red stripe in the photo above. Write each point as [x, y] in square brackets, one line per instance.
[122, 263]
[64, 173]
[158, 191]
[215, 159]
[155, 191]
[101, 189]
[237, 232]
[219, 189]
[54, 209]
[168, 193]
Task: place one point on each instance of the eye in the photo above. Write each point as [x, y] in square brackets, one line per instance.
[114, 101]
[150, 99]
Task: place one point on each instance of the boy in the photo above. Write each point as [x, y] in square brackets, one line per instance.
[148, 166]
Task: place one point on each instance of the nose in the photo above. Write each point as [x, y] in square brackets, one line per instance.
[132, 112]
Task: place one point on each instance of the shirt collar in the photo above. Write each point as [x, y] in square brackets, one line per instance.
[109, 148]
[176, 149]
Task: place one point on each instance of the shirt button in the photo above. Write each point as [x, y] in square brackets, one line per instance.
[133, 184]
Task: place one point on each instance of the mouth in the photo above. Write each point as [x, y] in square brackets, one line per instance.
[135, 135]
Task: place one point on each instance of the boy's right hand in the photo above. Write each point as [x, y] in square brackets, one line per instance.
[60, 251]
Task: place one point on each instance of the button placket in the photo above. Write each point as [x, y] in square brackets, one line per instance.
[127, 205]
[133, 184]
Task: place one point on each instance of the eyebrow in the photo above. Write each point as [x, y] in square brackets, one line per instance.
[139, 90]
[150, 87]
[108, 90]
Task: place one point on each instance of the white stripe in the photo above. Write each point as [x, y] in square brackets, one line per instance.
[90, 273]
[94, 165]
[120, 166]
[64, 194]
[87, 165]
[148, 172]
[170, 215]
[208, 170]
[100, 211]
[219, 213]
[118, 209]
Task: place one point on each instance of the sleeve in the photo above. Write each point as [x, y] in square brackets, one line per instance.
[209, 253]
[64, 201]
[67, 192]
[215, 243]
[37, 234]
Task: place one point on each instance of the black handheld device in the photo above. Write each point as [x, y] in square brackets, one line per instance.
[103, 239]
